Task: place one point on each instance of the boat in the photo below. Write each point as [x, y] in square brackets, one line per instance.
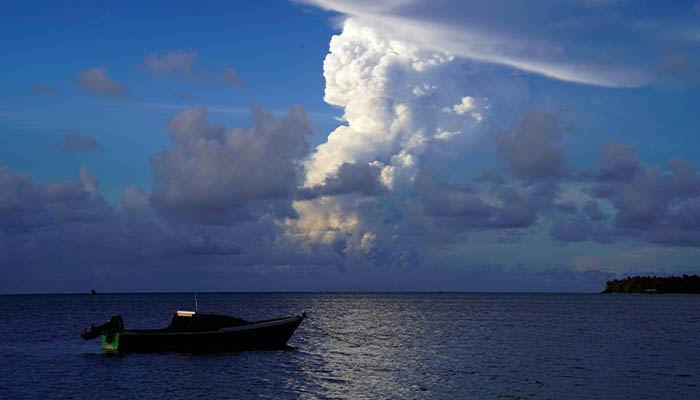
[194, 332]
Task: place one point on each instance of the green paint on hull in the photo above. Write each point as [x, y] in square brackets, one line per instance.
[110, 346]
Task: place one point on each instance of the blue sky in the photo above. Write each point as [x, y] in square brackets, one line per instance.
[51, 44]
[333, 145]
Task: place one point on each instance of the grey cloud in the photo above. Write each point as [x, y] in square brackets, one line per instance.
[59, 234]
[229, 76]
[74, 142]
[681, 225]
[176, 62]
[357, 177]
[217, 175]
[646, 202]
[96, 81]
[180, 63]
[522, 206]
[618, 162]
[530, 149]
[685, 181]
[476, 277]
[72, 201]
[535, 163]
[50, 203]
[650, 203]
[568, 207]
[492, 176]
[219, 192]
[636, 190]
[630, 200]
[593, 211]
[18, 193]
[463, 208]
[578, 227]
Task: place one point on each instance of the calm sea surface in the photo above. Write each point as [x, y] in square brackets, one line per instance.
[375, 345]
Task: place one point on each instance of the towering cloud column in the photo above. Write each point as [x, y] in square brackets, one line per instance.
[398, 101]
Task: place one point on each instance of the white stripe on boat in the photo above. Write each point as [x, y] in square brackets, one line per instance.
[185, 313]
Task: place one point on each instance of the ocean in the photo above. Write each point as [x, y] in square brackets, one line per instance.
[367, 346]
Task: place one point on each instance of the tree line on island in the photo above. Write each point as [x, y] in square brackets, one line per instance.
[655, 284]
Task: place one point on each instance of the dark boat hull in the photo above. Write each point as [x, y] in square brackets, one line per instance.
[264, 334]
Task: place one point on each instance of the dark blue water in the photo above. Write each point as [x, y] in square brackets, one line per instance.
[562, 346]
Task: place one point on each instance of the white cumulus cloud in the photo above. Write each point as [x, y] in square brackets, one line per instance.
[389, 91]
[392, 94]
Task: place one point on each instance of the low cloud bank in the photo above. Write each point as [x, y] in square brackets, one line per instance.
[231, 202]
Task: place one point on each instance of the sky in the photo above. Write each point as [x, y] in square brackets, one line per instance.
[475, 145]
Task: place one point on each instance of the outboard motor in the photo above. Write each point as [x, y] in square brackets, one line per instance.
[113, 325]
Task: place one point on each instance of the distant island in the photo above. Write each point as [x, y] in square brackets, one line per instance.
[655, 284]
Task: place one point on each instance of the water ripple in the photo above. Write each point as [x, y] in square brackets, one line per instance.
[366, 345]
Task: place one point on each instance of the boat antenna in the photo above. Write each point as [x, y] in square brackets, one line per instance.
[195, 301]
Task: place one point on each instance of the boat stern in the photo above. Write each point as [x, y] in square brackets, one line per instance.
[110, 342]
